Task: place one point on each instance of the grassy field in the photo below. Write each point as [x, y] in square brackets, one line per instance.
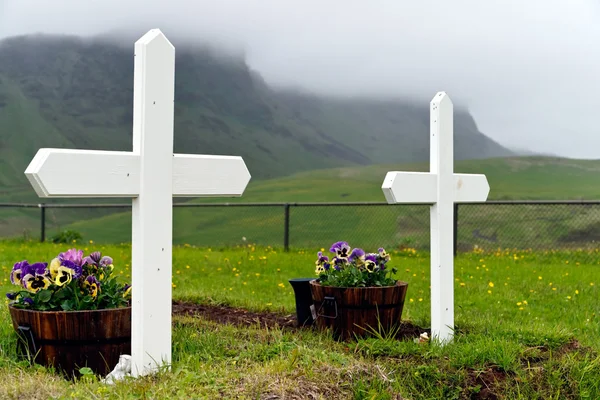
[528, 226]
[527, 328]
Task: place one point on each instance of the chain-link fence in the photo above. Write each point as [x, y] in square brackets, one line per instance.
[490, 226]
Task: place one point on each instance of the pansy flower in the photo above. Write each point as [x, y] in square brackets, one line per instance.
[127, 290]
[92, 284]
[371, 262]
[93, 258]
[17, 272]
[322, 261]
[340, 249]
[73, 255]
[320, 269]
[382, 256]
[92, 261]
[35, 277]
[339, 263]
[72, 268]
[11, 296]
[357, 256]
[64, 275]
[54, 266]
[106, 262]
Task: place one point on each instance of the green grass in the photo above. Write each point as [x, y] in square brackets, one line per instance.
[518, 315]
[489, 227]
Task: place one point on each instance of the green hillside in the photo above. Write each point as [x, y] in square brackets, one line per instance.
[511, 178]
[59, 91]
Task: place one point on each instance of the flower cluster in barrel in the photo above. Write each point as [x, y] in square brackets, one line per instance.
[350, 267]
[70, 282]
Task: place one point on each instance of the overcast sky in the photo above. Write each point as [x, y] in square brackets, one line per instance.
[529, 71]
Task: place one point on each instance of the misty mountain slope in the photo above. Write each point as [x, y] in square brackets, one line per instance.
[58, 91]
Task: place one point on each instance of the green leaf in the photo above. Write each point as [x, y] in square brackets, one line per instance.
[67, 305]
[44, 296]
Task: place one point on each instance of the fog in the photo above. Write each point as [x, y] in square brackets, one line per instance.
[529, 71]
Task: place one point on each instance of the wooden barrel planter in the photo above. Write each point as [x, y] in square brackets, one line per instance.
[69, 340]
[350, 311]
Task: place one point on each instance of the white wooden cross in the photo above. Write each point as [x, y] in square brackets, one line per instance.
[151, 174]
[441, 188]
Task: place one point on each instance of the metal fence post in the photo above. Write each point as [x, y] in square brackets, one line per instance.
[286, 228]
[455, 229]
[43, 223]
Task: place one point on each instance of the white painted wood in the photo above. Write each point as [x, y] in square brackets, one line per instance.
[421, 187]
[151, 174]
[152, 212]
[117, 174]
[470, 188]
[409, 187]
[209, 176]
[442, 213]
[441, 188]
[84, 173]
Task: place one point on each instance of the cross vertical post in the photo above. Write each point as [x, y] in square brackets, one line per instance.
[442, 216]
[152, 210]
[441, 188]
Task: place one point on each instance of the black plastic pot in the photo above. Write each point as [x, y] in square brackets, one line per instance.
[303, 300]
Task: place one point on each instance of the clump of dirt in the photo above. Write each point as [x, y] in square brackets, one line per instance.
[242, 317]
[487, 380]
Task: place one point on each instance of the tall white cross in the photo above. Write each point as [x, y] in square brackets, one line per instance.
[151, 174]
[441, 188]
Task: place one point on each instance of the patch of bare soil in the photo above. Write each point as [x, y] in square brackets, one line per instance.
[243, 317]
[488, 381]
[491, 380]
[234, 316]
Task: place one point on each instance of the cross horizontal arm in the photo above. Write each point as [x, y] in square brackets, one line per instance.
[92, 173]
[421, 187]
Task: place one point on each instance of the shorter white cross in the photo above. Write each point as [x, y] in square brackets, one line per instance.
[441, 188]
[151, 174]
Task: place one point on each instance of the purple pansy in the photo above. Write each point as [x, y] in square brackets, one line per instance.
[76, 269]
[73, 255]
[322, 261]
[371, 262]
[11, 296]
[17, 272]
[338, 263]
[106, 261]
[28, 300]
[37, 269]
[35, 277]
[92, 284]
[357, 255]
[340, 249]
[382, 257]
[93, 258]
